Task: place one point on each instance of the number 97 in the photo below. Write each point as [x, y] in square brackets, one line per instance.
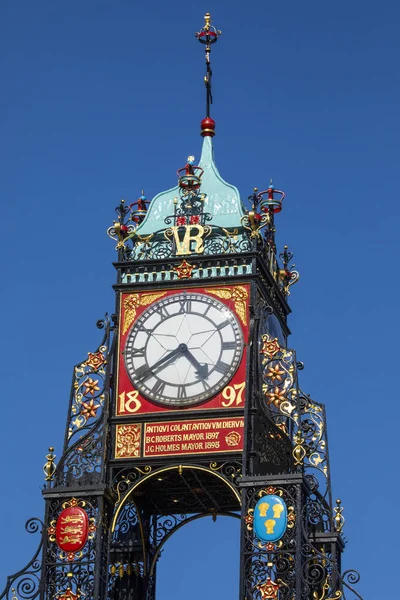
[233, 394]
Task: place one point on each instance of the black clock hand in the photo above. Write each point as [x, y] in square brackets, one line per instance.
[143, 374]
[201, 370]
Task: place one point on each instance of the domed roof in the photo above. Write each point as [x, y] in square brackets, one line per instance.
[222, 199]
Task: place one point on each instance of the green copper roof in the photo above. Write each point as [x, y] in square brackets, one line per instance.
[222, 202]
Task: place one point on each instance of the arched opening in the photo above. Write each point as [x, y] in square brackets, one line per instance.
[201, 560]
[196, 505]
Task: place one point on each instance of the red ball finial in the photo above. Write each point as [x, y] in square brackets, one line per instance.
[208, 127]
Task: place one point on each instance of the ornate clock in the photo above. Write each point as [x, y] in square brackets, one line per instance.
[183, 349]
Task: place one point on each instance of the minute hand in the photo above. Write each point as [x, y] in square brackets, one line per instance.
[202, 370]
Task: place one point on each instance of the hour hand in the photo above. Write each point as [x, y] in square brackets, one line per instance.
[201, 370]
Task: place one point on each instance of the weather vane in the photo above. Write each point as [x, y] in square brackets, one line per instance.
[208, 35]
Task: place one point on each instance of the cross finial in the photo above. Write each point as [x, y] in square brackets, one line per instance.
[207, 21]
[208, 35]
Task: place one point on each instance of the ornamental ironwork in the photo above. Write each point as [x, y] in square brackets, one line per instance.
[190, 230]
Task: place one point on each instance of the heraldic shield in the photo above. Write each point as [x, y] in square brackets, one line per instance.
[270, 518]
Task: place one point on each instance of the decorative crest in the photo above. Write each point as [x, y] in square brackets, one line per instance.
[189, 176]
[208, 35]
[129, 217]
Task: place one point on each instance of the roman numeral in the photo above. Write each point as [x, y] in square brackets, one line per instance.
[181, 392]
[158, 388]
[228, 345]
[222, 367]
[163, 311]
[223, 324]
[207, 309]
[185, 306]
[138, 351]
[147, 329]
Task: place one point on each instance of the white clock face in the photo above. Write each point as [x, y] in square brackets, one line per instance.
[183, 349]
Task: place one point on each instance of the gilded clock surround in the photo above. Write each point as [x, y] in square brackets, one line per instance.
[233, 300]
[185, 330]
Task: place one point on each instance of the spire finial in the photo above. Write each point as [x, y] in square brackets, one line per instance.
[208, 35]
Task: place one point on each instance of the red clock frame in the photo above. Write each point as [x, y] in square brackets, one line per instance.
[129, 401]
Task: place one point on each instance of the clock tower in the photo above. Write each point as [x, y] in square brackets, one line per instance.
[191, 407]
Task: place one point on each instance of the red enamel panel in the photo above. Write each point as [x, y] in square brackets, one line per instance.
[169, 438]
[130, 402]
[72, 529]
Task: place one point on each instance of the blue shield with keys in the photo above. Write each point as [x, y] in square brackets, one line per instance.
[270, 518]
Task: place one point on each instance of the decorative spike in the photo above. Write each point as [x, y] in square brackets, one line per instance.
[339, 519]
[50, 467]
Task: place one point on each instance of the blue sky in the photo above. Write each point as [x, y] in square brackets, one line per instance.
[101, 99]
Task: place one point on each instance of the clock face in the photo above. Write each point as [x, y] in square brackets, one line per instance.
[183, 349]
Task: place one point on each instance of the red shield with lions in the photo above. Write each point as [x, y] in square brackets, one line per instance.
[72, 529]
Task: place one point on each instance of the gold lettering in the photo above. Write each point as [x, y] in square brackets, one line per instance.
[186, 245]
[129, 402]
[233, 394]
[263, 509]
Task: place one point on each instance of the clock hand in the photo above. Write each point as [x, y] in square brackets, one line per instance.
[159, 365]
[201, 370]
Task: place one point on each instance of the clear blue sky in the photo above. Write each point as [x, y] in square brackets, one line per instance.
[103, 98]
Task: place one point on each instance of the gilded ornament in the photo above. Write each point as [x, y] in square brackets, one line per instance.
[233, 438]
[275, 372]
[270, 547]
[299, 451]
[92, 528]
[325, 591]
[50, 467]
[232, 237]
[91, 386]
[238, 294]
[127, 443]
[73, 502]
[51, 531]
[184, 270]
[276, 396]
[89, 409]
[291, 517]
[339, 518]
[132, 303]
[249, 518]
[95, 360]
[68, 595]
[270, 346]
[268, 590]
[254, 222]
[192, 240]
